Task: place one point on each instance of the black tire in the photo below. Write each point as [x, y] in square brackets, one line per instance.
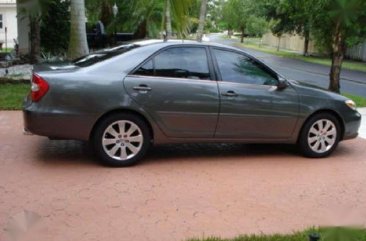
[128, 149]
[311, 144]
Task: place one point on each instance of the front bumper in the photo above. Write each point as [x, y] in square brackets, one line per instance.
[352, 125]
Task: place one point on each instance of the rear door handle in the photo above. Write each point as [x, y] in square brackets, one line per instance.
[142, 87]
[230, 93]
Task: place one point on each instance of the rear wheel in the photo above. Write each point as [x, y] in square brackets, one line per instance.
[121, 139]
[320, 135]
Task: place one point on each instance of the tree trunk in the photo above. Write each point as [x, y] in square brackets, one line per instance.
[335, 72]
[229, 31]
[279, 43]
[35, 40]
[306, 43]
[78, 45]
[201, 23]
[168, 21]
[141, 31]
[338, 49]
[242, 35]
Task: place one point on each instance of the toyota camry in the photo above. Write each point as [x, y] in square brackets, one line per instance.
[127, 98]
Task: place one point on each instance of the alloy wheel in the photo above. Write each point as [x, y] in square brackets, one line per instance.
[322, 136]
[122, 140]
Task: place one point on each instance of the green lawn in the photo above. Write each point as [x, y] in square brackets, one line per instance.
[12, 95]
[8, 50]
[359, 100]
[253, 43]
[326, 234]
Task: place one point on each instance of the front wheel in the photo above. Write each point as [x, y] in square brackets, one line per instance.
[121, 140]
[320, 135]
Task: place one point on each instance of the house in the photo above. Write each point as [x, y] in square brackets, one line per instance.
[8, 23]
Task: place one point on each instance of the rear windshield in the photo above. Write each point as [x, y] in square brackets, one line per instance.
[102, 55]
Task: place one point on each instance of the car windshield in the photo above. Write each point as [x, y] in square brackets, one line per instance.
[102, 55]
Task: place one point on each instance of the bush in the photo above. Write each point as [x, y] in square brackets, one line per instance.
[55, 28]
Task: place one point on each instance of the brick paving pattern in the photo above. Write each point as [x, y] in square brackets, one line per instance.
[55, 190]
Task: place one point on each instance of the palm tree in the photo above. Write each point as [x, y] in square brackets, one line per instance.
[147, 18]
[31, 11]
[78, 45]
[177, 16]
[201, 23]
[157, 15]
[168, 20]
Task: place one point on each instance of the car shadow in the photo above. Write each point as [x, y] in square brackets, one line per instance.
[162, 153]
[81, 153]
[66, 152]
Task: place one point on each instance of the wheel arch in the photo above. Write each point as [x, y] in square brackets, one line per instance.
[125, 111]
[328, 111]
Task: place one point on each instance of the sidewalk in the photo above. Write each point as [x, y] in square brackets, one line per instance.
[362, 132]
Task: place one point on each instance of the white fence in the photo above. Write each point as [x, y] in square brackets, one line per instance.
[357, 52]
[292, 42]
[295, 43]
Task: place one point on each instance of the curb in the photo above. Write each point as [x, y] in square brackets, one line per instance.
[362, 131]
[362, 110]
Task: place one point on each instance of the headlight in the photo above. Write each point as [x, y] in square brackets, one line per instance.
[351, 104]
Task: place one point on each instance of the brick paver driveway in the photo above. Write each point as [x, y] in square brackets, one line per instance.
[53, 190]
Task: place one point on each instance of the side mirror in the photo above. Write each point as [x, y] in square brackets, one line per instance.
[282, 83]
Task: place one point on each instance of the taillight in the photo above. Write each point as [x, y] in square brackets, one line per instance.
[39, 88]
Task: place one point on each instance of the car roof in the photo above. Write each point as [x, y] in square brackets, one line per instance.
[162, 42]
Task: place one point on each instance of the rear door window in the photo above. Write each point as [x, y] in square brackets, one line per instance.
[178, 62]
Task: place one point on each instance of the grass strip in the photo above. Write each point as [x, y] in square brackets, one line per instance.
[325, 233]
[359, 100]
[12, 95]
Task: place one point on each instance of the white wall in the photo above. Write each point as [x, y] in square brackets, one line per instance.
[9, 12]
[357, 52]
[291, 42]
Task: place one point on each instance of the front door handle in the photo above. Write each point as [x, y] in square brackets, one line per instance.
[230, 93]
[142, 87]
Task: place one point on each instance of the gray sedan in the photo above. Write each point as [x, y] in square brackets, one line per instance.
[125, 99]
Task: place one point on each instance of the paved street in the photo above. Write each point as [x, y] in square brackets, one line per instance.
[54, 190]
[353, 82]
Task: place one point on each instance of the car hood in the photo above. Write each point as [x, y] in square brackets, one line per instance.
[304, 84]
[306, 89]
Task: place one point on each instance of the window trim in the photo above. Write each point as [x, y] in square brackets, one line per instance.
[262, 65]
[210, 65]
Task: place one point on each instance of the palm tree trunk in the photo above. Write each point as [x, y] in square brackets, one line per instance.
[78, 45]
[201, 23]
[168, 20]
[35, 39]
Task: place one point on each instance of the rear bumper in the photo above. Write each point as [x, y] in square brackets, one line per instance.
[57, 125]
